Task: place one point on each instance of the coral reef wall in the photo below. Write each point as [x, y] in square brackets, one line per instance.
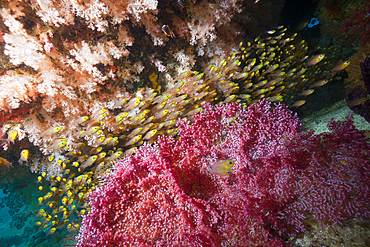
[86, 83]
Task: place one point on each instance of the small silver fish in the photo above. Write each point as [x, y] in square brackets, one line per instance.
[89, 161]
[340, 66]
[51, 131]
[316, 59]
[298, 103]
[319, 83]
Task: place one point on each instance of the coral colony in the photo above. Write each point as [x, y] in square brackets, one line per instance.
[167, 124]
[358, 22]
[170, 193]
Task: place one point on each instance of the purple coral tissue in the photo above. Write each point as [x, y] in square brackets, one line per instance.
[163, 195]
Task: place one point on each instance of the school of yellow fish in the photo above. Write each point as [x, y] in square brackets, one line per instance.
[276, 67]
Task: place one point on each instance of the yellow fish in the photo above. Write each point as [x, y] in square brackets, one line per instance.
[135, 132]
[41, 200]
[229, 99]
[272, 68]
[134, 102]
[51, 231]
[275, 98]
[307, 92]
[221, 168]
[161, 99]
[150, 134]
[4, 162]
[101, 155]
[58, 144]
[89, 161]
[130, 151]
[120, 103]
[24, 156]
[95, 150]
[90, 131]
[316, 59]
[115, 155]
[133, 140]
[170, 123]
[81, 119]
[99, 117]
[12, 135]
[51, 131]
[357, 101]
[63, 223]
[161, 113]
[121, 116]
[340, 66]
[298, 103]
[98, 113]
[40, 213]
[319, 83]
[113, 142]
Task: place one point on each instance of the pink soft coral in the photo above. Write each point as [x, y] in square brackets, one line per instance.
[164, 196]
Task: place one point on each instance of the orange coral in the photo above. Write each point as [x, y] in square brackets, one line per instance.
[354, 71]
[15, 115]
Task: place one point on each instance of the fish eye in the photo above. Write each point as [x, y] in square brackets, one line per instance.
[228, 172]
[230, 162]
